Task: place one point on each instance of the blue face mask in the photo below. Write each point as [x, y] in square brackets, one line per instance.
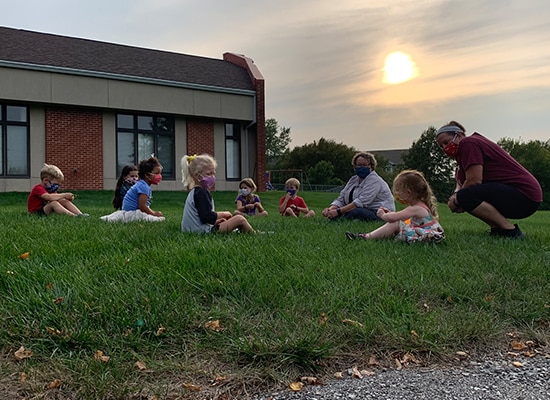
[362, 172]
[54, 187]
[291, 192]
[245, 192]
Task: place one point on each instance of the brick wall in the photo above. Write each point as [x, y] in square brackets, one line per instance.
[200, 137]
[74, 142]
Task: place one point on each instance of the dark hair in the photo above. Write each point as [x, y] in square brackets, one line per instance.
[117, 200]
[146, 166]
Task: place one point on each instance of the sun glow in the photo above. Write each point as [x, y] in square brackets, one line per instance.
[398, 68]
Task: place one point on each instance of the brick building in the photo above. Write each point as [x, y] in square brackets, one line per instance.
[92, 107]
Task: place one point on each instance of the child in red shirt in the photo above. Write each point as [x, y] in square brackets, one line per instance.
[291, 205]
[44, 199]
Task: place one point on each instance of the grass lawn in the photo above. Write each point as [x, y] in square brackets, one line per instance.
[134, 311]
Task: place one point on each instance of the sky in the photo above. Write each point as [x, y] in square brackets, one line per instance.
[327, 65]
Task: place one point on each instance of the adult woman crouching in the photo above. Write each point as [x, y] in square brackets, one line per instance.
[491, 185]
[364, 193]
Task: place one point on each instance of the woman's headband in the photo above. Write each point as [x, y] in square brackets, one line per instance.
[448, 128]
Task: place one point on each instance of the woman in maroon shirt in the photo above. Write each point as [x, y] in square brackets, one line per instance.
[490, 184]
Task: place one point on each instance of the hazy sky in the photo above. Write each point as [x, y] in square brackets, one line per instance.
[484, 63]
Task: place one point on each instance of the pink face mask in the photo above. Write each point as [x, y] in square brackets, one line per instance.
[155, 180]
[208, 181]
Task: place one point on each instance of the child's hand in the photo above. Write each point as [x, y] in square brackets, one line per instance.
[69, 196]
[381, 212]
[224, 215]
[157, 213]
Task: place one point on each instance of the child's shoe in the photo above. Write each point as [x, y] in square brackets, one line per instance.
[83, 215]
[351, 235]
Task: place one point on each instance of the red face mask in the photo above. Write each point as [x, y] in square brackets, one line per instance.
[451, 148]
[155, 180]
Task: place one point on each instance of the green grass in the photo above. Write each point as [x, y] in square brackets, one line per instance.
[118, 284]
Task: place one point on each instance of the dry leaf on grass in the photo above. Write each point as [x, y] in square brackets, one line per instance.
[355, 373]
[310, 380]
[461, 354]
[22, 377]
[99, 356]
[214, 325]
[58, 300]
[296, 386]
[323, 319]
[191, 387]
[22, 353]
[339, 375]
[140, 365]
[23, 256]
[352, 322]
[160, 330]
[54, 384]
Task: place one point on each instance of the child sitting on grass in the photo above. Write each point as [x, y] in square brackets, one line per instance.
[44, 199]
[291, 205]
[128, 177]
[199, 176]
[418, 221]
[248, 202]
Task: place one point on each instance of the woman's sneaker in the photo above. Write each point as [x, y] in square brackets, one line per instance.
[515, 233]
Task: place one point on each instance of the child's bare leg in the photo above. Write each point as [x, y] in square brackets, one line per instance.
[290, 213]
[237, 221]
[310, 214]
[57, 208]
[389, 229]
[69, 205]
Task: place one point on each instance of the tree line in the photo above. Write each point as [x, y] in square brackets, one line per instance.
[326, 162]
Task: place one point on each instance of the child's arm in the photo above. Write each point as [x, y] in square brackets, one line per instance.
[57, 196]
[301, 206]
[142, 204]
[283, 203]
[408, 212]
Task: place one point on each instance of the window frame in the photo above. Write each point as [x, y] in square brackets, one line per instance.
[234, 136]
[136, 131]
[4, 124]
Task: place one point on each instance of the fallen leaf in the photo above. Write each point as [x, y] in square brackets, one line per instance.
[352, 322]
[54, 384]
[513, 354]
[461, 354]
[339, 375]
[23, 256]
[58, 300]
[366, 372]
[49, 286]
[22, 377]
[413, 332]
[529, 354]
[296, 386]
[517, 364]
[517, 345]
[309, 380]
[22, 353]
[140, 365]
[355, 373]
[373, 361]
[214, 325]
[488, 298]
[398, 364]
[426, 306]
[323, 319]
[53, 331]
[160, 330]
[99, 356]
[191, 387]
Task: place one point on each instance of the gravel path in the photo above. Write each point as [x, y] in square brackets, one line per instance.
[494, 379]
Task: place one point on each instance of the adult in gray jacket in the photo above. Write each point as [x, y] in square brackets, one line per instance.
[364, 193]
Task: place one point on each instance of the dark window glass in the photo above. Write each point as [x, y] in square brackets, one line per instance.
[232, 151]
[14, 141]
[142, 136]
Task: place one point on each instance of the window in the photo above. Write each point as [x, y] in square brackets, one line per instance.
[14, 141]
[232, 152]
[140, 136]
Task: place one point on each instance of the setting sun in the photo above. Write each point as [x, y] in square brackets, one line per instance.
[398, 68]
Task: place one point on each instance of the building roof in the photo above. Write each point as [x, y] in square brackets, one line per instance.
[393, 156]
[35, 49]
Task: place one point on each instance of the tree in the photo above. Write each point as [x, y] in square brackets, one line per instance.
[277, 139]
[426, 156]
[535, 157]
[309, 156]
